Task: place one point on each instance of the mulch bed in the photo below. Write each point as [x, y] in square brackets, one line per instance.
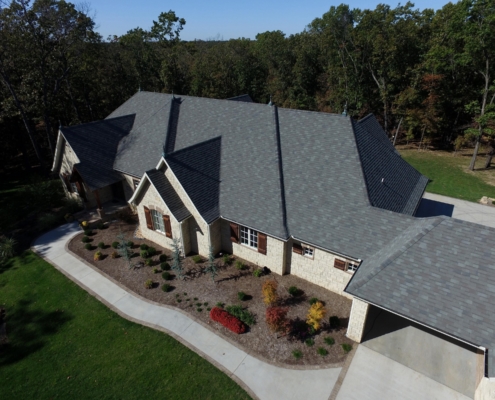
[198, 288]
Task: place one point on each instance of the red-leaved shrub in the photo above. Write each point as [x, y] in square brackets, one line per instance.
[229, 321]
[276, 319]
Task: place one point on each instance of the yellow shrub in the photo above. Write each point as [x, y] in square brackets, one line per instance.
[269, 291]
[97, 256]
[84, 224]
[315, 314]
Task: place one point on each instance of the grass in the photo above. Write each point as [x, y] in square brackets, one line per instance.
[450, 175]
[66, 344]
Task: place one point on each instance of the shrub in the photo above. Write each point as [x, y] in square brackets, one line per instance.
[199, 309]
[151, 251]
[115, 245]
[269, 290]
[85, 239]
[148, 262]
[179, 300]
[297, 354]
[165, 266]
[198, 304]
[167, 276]
[195, 298]
[101, 245]
[84, 224]
[163, 258]
[114, 254]
[130, 244]
[258, 272]
[220, 304]
[144, 246]
[88, 232]
[329, 340]
[97, 256]
[309, 342]
[241, 313]
[48, 221]
[156, 270]
[322, 351]
[229, 321]
[239, 265]
[315, 314]
[205, 303]
[148, 284]
[101, 226]
[144, 254]
[166, 287]
[88, 246]
[208, 309]
[346, 347]
[241, 296]
[293, 291]
[226, 259]
[7, 248]
[276, 319]
[334, 322]
[313, 300]
[197, 259]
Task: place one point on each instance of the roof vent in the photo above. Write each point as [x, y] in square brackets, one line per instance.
[270, 103]
[383, 180]
[345, 110]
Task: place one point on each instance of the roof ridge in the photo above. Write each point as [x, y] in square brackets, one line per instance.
[92, 122]
[122, 105]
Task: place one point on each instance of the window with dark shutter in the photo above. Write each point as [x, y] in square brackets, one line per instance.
[261, 243]
[147, 215]
[234, 233]
[168, 227]
[297, 248]
[339, 264]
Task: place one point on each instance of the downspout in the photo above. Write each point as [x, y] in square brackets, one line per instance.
[182, 236]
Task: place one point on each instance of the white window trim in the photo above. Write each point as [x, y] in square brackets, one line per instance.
[135, 183]
[249, 232]
[152, 212]
[354, 268]
[309, 248]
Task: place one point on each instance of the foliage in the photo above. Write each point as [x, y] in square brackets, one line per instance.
[276, 319]
[143, 246]
[85, 239]
[329, 340]
[88, 246]
[313, 300]
[197, 259]
[48, 221]
[242, 313]
[7, 248]
[346, 347]
[148, 284]
[124, 249]
[241, 296]
[177, 258]
[151, 251]
[114, 254]
[258, 272]
[309, 342]
[229, 321]
[88, 232]
[269, 291]
[162, 258]
[166, 287]
[297, 354]
[101, 226]
[167, 276]
[85, 225]
[144, 254]
[294, 291]
[334, 322]
[165, 266]
[101, 245]
[130, 244]
[239, 265]
[156, 270]
[227, 259]
[220, 304]
[115, 245]
[211, 267]
[98, 255]
[322, 351]
[72, 205]
[315, 314]
[148, 262]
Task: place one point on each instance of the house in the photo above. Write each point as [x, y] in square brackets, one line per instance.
[316, 195]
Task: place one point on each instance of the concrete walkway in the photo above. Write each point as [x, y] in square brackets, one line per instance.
[260, 379]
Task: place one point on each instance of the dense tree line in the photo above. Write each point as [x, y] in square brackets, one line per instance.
[427, 75]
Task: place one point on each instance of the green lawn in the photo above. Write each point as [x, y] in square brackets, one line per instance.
[65, 344]
[448, 175]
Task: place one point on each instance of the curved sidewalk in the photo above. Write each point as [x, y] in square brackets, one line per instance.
[260, 379]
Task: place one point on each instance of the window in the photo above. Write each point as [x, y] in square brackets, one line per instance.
[157, 219]
[351, 267]
[249, 237]
[309, 252]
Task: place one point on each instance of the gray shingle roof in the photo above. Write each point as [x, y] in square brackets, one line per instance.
[168, 194]
[95, 144]
[243, 97]
[439, 272]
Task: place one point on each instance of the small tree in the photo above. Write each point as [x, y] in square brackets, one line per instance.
[177, 258]
[124, 249]
[211, 268]
[7, 248]
[269, 291]
[315, 314]
[276, 319]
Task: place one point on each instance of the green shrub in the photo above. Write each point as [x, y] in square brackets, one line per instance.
[167, 276]
[144, 246]
[179, 301]
[148, 262]
[165, 266]
[195, 298]
[313, 300]
[293, 291]
[148, 284]
[101, 245]
[329, 340]
[88, 232]
[205, 303]
[163, 258]
[71, 205]
[198, 304]
[309, 342]
[297, 354]
[334, 322]
[88, 246]
[241, 296]
[239, 265]
[197, 259]
[115, 245]
[220, 304]
[114, 254]
[156, 270]
[240, 312]
[48, 221]
[199, 309]
[85, 239]
[208, 309]
[257, 272]
[166, 287]
[346, 347]
[322, 351]
[144, 254]
[130, 243]
[101, 226]
[185, 294]
[226, 258]
[151, 251]
[7, 248]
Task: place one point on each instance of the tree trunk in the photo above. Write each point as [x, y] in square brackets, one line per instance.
[422, 135]
[397, 132]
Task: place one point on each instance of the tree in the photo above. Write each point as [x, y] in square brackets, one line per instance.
[211, 267]
[124, 249]
[177, 258]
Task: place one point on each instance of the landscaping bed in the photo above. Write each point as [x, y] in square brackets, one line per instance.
[196, 294]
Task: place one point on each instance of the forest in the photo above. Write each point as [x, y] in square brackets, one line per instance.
[428, 76]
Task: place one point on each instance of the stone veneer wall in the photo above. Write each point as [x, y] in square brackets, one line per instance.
[357, 320]
[128, 185]
[485, 389]
[151, 199]
[318, 270]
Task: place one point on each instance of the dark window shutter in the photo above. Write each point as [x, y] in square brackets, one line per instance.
[261, 243]
[147, 215]
[339, 264]
[234, 232]
[168, 227]
[297, 248]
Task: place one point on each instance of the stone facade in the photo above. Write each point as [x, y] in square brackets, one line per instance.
[485, 389]
[318, 270]
[357, 320]
[128, 183]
